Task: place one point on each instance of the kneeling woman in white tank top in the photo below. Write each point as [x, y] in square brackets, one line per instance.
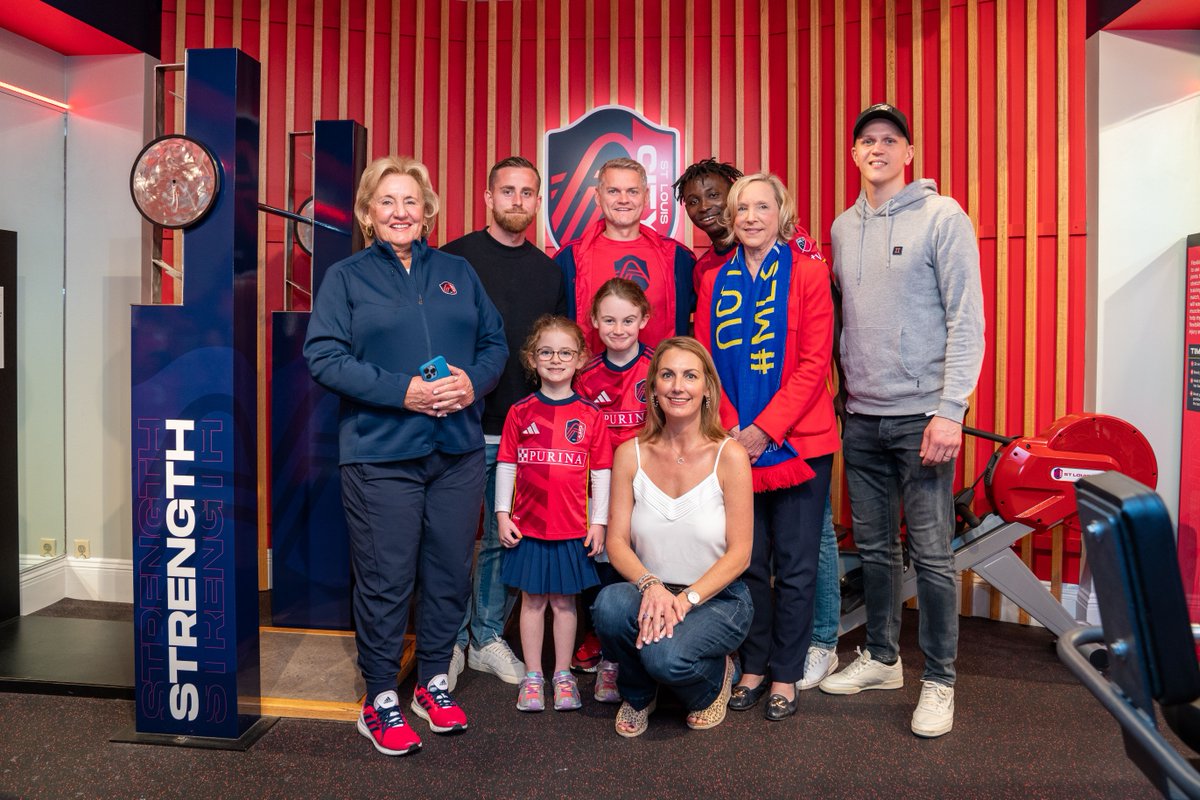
[680, 529]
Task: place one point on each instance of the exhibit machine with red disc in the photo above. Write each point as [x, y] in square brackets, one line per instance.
[1030, 486]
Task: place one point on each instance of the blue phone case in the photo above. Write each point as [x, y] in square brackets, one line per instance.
[434, 369]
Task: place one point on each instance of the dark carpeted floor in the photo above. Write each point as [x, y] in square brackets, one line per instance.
[1024, 729]
[70, 608]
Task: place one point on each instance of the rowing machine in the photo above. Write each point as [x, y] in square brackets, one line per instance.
[1030, 486]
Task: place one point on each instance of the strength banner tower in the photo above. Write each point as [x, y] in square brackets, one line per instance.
[194, 429]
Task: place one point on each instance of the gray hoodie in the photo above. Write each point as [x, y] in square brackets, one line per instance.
[912, 304]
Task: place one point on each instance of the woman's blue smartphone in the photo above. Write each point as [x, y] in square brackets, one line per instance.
[435, 368]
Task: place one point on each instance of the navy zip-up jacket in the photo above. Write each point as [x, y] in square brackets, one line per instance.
[373, 325]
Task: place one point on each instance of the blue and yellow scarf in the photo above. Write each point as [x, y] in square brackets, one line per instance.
[749, 336]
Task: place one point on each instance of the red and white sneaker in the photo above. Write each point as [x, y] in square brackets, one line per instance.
[434, 704]
[587, 657]
[383, 723]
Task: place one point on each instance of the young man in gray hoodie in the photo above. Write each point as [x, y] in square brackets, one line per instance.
[906, 262]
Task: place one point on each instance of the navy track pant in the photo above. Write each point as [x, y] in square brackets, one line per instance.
[412, 526]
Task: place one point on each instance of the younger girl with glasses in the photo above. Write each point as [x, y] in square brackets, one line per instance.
[553, 444]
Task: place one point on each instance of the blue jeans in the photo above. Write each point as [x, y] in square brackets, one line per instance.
[827, 602]
[691, 663]
[491, 602]
[883, 471]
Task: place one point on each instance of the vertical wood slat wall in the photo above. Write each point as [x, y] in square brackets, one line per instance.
[994, 89]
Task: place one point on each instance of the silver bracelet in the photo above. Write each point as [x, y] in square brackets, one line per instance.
[653, 581]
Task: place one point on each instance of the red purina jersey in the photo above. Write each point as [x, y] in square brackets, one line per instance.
[620, 392]
[554, 444]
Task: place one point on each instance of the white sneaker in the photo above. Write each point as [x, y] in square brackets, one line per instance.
[497, 658]
[458, 661]
[935, 710]
[819, 664]
[864, 672]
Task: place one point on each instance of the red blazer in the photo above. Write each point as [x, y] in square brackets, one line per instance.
[802, 409]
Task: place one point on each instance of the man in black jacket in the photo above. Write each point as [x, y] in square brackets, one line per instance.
[524, 283]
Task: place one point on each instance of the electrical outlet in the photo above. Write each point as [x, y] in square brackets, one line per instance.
[49, 548]
[83, 548]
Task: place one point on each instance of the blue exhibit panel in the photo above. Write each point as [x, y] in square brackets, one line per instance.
[310, 586]
[194, 428]
[310, 561]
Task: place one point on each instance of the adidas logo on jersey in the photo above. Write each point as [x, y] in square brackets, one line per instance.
[602, 397]
[532, 430]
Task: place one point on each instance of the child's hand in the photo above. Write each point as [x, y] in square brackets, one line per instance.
[509, 535]
[594, 541]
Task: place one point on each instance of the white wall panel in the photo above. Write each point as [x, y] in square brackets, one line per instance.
[1146, 183]
[109, 122]
[31, 203]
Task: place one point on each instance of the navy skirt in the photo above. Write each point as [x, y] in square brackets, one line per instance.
[538, 566]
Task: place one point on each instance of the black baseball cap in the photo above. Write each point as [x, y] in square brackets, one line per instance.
[882, 111]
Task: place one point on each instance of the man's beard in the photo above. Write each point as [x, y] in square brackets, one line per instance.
[513, 221]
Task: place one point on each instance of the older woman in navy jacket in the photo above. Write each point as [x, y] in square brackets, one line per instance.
[411, 449]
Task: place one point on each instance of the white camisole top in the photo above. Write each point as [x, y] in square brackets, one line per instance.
[678, 538]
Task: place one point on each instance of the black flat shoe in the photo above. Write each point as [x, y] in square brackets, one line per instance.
[743, 698]
[779, 708]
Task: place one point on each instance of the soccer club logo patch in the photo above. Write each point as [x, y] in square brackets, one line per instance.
[574, 430]
[574, 155]
[633, 269]
[447, 288]
[639, 391]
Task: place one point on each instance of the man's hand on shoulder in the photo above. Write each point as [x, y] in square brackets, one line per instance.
[941, 442]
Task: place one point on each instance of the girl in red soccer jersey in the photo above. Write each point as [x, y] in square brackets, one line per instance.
[615, 381]
[553, 442]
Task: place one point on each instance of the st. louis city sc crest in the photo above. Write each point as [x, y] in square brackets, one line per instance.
[575, 153]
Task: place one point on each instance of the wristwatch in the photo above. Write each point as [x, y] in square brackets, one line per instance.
[693, 597]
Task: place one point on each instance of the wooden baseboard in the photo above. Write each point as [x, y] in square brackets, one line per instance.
[296, 708]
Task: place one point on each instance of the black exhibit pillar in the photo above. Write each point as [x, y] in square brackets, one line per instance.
[10, 545]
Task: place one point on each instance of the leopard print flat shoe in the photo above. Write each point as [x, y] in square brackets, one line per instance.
[714, 715]
[631, 722]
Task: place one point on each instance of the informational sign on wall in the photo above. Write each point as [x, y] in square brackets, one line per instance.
[1189, 466]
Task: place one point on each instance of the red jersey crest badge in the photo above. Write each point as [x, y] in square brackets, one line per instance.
[574, 430]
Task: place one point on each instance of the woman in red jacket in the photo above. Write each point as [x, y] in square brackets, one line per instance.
[766, 316]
